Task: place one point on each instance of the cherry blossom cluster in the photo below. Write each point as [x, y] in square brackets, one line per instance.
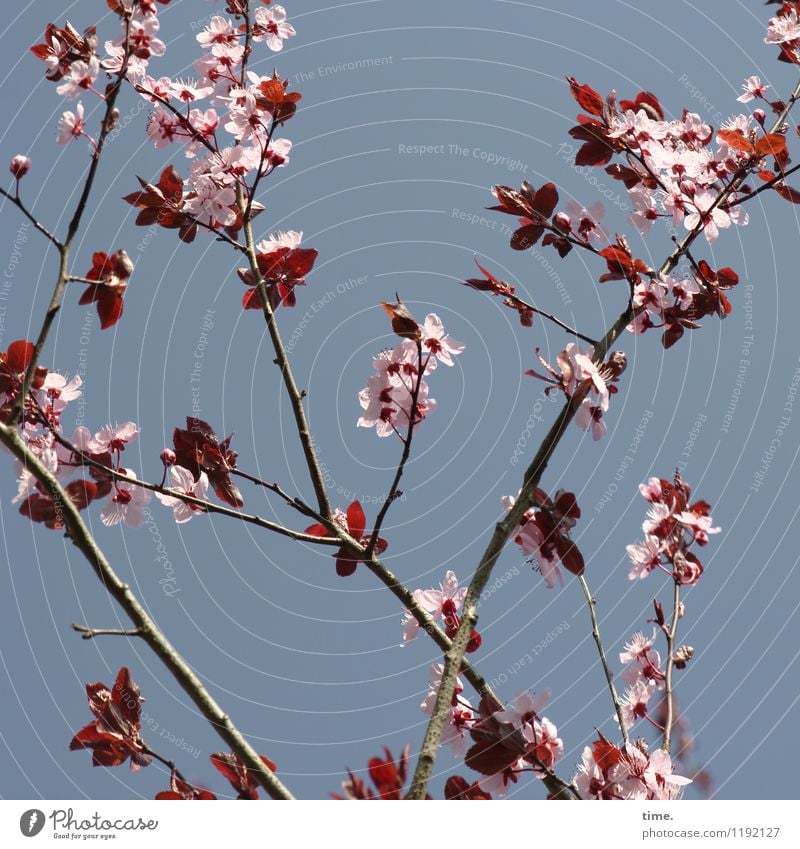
[579, 375]
[672, 526]
[72, 60]
[608, 772]
[509, 743]
[397, 397]
[644, 677]
[675, 169]
[198, 462]
[40, 429]
[248, 108]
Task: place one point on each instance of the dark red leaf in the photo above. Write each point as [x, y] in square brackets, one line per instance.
[587, 98]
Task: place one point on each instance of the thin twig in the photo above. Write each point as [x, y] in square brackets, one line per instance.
[668, 690]
[768, 185]
[15, 199]
[89, 633]
[553, 318]
[591, 603]
[81, 537]
[291, 500]
[206, 506]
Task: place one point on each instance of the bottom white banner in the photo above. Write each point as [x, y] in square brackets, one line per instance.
[388, 824]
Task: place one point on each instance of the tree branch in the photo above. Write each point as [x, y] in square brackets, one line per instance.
[537, 467]
[81, 537]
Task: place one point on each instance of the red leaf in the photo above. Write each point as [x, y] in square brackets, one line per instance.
[570, 555]
[346, 565]
[788, 193]
[545, 200]
[109, 308]
[594, 153]
[19, 355]
[490, 757]
[736, 140]
[356, 520]
[772, 144]
[586, 97]
[526, 237]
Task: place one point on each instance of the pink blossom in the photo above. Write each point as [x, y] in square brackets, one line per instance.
[142, 37]
[651, 490]
[433, 601]
[753, 88]
[634, 702]
[783, 28]
[590, 416]
[700, 524]
[183, 483]
[126, 503]
[82, 76]
[277, 154]
[710, 219]
[499, 783]
[56, 392]
[246, 120]
[531, 540]
[280, 239]
[189, 91]
[234, 163]
[71, 125]
[657, 517]
[644, 556]
[271, 26]
[659, 778]
[217, 31]
[588, 220]
[211, 204]
[441, 346]
[644, 205]
[523, 709]
[153, 89]
[163, 127]
[637, 647]
[113, 438]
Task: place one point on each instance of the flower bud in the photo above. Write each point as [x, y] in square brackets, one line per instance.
[562, 221]
[19, 166]
[168, 457]
[682, 656]
[760, 115]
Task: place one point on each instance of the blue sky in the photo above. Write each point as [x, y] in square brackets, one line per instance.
[410, 113]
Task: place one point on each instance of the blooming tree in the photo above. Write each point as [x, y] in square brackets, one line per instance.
[225, 126]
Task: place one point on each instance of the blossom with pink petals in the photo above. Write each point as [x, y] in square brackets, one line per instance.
[126, 504]
[183, 483]
[271, 26]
